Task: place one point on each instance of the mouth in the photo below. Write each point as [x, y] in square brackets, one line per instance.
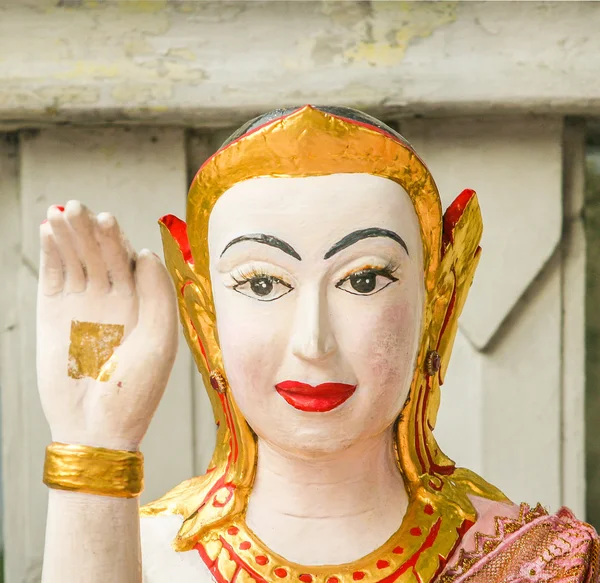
[319, 399]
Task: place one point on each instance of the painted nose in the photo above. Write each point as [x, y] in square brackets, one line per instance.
[313, 337]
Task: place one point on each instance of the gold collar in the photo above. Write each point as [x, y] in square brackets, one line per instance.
[415, 553]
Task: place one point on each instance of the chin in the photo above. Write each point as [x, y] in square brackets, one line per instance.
[313, 442]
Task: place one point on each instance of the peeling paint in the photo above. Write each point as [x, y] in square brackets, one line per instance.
[147, 6]
[167, 71]
[138, 94]
[158, 108]
[347, 14]
[157, 69]
[185, 54]
[71, 95]
[204, 62]
[326, 49]
[137, 47]
[48, 99]
[363, 96]
[394, 25]
[185, 7]
[183, 72]
[89, 69]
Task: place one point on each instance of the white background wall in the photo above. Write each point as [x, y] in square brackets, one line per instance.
[495, 87]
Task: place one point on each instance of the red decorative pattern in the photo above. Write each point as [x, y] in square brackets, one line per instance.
[239, 546]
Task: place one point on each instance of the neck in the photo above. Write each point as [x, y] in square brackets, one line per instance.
[330, 509]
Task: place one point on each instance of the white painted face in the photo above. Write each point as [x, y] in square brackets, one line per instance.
[318, 290]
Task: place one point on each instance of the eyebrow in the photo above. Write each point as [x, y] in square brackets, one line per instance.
[361, 234]
[265, 240]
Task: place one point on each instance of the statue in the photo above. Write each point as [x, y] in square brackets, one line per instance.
[319, 288]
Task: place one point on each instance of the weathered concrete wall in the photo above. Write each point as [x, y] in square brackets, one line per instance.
[216, 63]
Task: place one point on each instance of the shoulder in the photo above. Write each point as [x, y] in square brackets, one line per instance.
[523, 543]
[162, 564]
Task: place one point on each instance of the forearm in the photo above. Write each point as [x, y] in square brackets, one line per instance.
[92, 539]
[106, 343]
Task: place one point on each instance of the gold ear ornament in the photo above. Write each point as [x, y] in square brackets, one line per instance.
[218, 381]
[433, 362]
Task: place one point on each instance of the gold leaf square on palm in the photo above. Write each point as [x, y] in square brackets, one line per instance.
[92, 344]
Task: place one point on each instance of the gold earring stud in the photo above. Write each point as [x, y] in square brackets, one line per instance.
[433, 362]
[218, 382]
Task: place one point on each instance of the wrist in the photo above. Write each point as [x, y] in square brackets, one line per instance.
[94, 440]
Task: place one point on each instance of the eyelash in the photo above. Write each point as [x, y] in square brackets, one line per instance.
[242, 276]
[386, 271]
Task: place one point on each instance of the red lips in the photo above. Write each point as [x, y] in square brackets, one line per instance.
[319, 399]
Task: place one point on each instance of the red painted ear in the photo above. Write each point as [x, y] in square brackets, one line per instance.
[178, 230]
[453, 214]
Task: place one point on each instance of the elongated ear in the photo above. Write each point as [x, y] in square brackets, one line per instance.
[224, 491]
[463, 227]
[194, 296]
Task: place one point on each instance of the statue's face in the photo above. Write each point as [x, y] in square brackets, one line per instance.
[318, 290]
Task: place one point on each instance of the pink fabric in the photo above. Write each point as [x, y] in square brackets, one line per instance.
[512, 544]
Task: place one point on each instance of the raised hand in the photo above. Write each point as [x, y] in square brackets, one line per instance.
[106, 330]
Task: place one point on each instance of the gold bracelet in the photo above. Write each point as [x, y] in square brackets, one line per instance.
[94, 470]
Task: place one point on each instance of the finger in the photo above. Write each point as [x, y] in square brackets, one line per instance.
[51, 268]
[157, 317]
[149, 350]
[116, 253]
[63, 237]
[83, 224]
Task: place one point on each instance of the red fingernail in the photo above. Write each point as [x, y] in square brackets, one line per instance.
[60, 208]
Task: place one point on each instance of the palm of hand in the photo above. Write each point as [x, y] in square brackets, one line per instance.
[107, 332]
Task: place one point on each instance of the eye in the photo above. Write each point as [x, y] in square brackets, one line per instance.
[366, 282]
[262, 287]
